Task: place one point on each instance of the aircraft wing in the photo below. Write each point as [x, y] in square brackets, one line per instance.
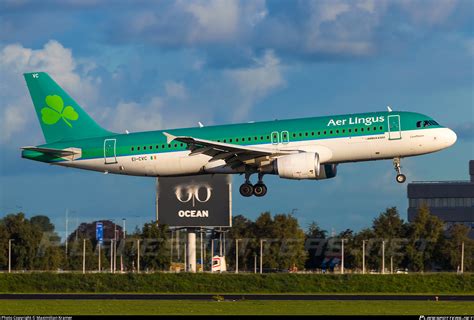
[234, 155]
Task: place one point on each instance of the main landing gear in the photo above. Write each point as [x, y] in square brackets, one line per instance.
[401, 178]
[258, 190]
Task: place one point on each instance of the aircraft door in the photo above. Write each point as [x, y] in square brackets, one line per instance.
[285, 137]
[110, 151]
[394, 128]
[275, 138]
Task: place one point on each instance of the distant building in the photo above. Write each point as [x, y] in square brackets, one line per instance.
[451, 201]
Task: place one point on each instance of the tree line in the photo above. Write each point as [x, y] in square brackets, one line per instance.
[422, 245]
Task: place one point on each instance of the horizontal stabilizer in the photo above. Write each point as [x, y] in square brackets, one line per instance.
[62, 153]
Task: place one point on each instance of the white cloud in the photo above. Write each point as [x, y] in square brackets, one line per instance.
[430, 13]
[469, 44]
[343, 27]
[256, 82]
[134, 117]
[175, 90]
[14, 119]
[193, 22]
[216, 19]
[53, 58]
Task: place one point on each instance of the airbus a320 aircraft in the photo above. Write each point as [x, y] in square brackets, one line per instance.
[309, 148]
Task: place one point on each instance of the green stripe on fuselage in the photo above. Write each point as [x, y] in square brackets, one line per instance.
[304, 129]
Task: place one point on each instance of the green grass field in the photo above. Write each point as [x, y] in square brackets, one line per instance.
[440, 283]
[178, 307]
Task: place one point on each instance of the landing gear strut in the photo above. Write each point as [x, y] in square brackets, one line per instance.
[401, 178]
[247, 189]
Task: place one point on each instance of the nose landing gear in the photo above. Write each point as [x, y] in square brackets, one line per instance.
[258, 190]
[400, 178]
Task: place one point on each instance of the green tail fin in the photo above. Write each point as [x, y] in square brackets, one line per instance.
[61, 118]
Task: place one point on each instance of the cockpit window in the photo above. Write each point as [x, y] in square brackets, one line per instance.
[426, 123]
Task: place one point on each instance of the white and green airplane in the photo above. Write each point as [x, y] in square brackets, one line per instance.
[309, 148]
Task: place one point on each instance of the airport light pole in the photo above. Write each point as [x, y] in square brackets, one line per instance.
[261, 254]
[115, 255]
[363, 256]
[177, 245]
[124, 232]
[254, 263]
[84, 256]
[114, 263]
[201, 250]
[223, 237]
[220, 243]
[237, 255]
[10, 255]
[77, 228]
[462, 257]
[204, 249]
[342, 255]
[391, 264]
[111, 255]
[383, 256]
[99, 265]
[138, 255]
[185, 257]
[212, 253]
[67, 212]
[171, 245]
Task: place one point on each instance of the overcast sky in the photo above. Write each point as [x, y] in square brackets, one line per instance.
[147, 65]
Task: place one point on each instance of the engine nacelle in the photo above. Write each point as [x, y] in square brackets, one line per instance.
[327, 171]
[303, 166]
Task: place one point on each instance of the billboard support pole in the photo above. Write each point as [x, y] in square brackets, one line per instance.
[191, 250]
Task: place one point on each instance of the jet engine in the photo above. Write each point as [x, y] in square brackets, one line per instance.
[303, 165]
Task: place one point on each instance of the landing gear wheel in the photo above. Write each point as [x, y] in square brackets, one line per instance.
[259, 190]
[246, 189]
[401, 178]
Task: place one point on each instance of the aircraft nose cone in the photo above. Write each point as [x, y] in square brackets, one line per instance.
[450, 137]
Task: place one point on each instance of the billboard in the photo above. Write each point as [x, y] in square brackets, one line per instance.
[197, 201]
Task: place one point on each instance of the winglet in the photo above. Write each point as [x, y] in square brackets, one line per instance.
[169, 137]
[389, 109]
